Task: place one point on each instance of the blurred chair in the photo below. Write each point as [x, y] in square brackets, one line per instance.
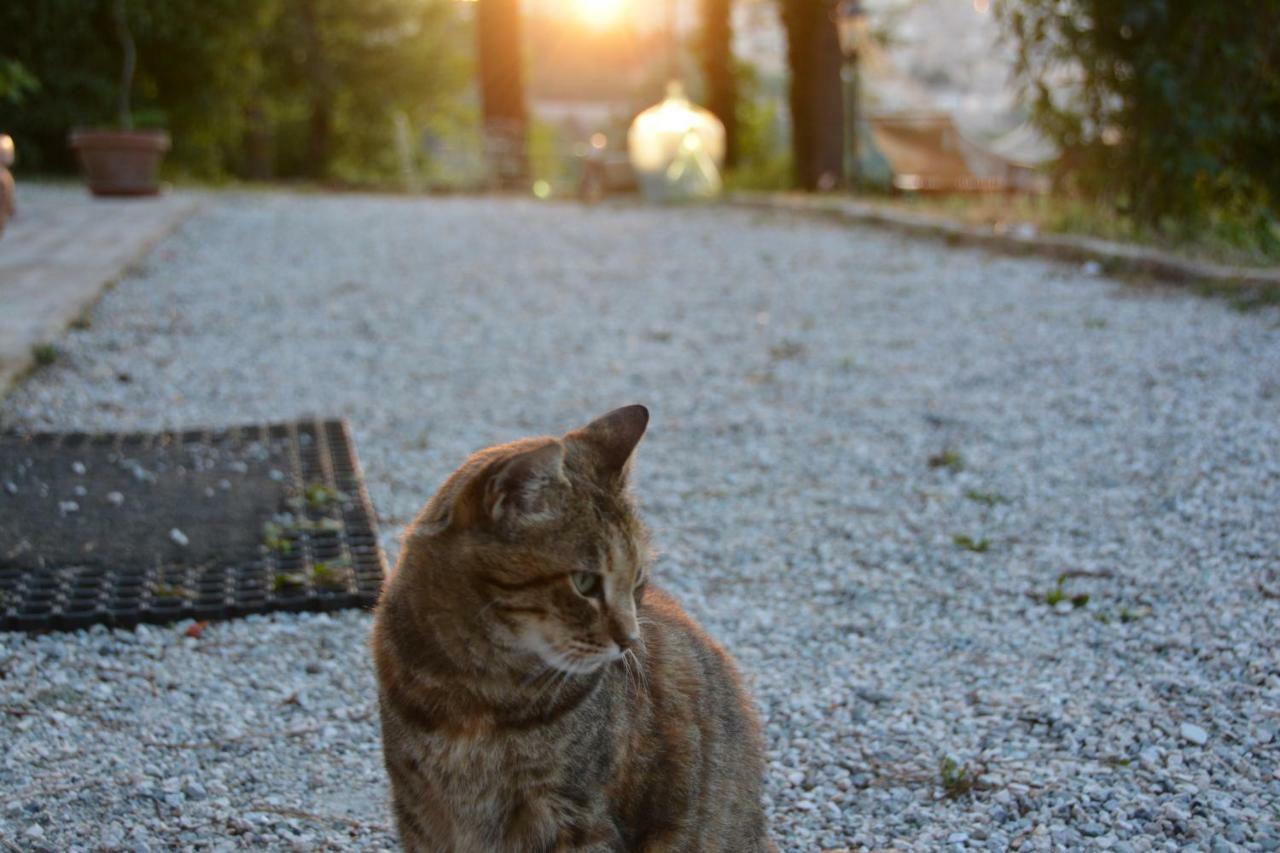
[927, 153]
[603, 171]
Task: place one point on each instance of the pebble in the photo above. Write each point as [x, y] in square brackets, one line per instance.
[179, 537]
[1193, 734]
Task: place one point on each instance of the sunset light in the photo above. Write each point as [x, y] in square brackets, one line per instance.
[600, 14]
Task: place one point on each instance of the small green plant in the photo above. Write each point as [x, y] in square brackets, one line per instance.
[956, 778]
[44, 354]
[1254, 299]
[786, 350]
[986, 498]
[1241, 297]
[320, 495]
[977, 546]
[1128, 615]
[274, 538]
[331, 575]
[947, 458]
[288, 581]
[325, 575]
[164, 590]
[1057, 595]
[1095, 323]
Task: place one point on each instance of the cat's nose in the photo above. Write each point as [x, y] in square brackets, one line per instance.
[623, 628]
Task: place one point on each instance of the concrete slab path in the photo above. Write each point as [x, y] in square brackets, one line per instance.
[60, 251]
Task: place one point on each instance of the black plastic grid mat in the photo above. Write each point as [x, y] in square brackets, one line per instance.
[317, 551]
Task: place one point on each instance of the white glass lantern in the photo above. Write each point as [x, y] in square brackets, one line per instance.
[676, 149]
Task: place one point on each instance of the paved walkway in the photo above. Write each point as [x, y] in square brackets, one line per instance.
[59, 252]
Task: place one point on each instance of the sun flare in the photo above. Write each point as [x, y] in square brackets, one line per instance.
[600, 14]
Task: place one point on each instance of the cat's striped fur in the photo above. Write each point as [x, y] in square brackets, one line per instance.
[520, 713]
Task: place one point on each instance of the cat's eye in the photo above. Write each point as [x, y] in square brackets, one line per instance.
[586, 583]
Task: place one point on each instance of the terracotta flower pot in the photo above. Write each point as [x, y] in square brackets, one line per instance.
[120, 162]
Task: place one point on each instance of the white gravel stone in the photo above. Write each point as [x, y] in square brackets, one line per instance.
[1193, 734]
[801, 375]
[179, 537]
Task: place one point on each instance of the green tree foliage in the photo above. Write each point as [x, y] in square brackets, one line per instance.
[16, 82]
[243, 86]
[1169, 109]
[337, 71]
[764, 161]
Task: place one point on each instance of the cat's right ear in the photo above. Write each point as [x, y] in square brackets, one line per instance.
[516, 491]
[613, 438]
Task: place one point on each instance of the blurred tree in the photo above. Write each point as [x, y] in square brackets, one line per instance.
[500, 57]
[817, 105]
[193, 60]
[242, 85]
[1170, 110]
[335, 72]
[718, 72]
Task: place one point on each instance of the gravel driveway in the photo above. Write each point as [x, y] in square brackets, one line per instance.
[870, 462]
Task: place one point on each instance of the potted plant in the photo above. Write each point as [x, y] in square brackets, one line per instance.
[121, 160]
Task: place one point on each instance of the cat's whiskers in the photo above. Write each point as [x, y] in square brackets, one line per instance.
[632, 682]
[633, 663]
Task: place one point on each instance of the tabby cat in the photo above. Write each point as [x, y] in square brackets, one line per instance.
[537, 693]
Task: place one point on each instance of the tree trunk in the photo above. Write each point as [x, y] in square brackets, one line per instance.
[817, 108]
[717, 68]
[502, 101]
[319, 95]
[259, 143]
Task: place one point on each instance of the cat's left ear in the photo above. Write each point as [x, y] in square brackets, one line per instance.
[520, 489]
[612, 438]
